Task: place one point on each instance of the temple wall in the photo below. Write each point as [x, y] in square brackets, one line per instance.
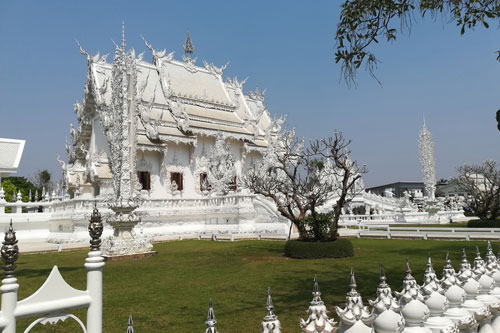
[252, 157]
[98, 142]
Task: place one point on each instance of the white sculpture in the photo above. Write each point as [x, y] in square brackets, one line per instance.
[427, 161]
[221, 171]
[386, 309]
[456, 296]
[478, 309]
[494, 273]
[118, 119]
[355, 317]
[414, 311]
[435, 301]
[481, 275]
[317, 321]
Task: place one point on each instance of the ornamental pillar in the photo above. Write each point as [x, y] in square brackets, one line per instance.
[94, 265]
[9, 252]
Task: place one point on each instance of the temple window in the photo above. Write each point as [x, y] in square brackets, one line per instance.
[177, 178]
[232, 185]
[204, 182]
[144, 178]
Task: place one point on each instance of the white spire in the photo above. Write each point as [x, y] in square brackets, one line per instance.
[123, 36]
[427, 161]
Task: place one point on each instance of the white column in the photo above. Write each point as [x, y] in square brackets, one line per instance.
[9, 302]
[3, 202]
[94, 265]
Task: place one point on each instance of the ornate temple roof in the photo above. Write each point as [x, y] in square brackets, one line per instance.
[184, 99]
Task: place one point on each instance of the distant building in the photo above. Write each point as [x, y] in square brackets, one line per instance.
[11, 151]
[398, 189]
[451, 188]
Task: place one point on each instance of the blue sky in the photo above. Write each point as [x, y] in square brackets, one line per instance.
[284, 46]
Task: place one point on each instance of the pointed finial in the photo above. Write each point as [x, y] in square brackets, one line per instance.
[210, 322]
[382, 275]
[9, 252]
[316, 286]
[429, 268]
[478, 253]
[352, 285]
[489, 249]
[123, 36]
[269, 306]
[269, 302]
[447, 259]
[408, 269]
[188, 47]
[316, 293]
[130, 328]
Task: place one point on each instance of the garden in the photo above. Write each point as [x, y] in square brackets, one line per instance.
[171, 291]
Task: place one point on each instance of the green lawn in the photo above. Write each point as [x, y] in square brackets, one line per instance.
[170, 292]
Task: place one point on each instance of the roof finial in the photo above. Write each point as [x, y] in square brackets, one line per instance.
[188, 47]
[123, 36]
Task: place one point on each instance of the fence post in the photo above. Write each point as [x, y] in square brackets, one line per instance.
[10, 252]
[3, 202]
[94, 265]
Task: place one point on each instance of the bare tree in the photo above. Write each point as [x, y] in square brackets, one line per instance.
[300, 180]
[346, 172]
[482, 183]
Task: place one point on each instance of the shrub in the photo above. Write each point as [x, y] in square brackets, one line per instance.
[339, 248]
[483, 224]
[317, 228]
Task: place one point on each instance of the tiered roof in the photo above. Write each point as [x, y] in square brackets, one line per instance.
[185, 100]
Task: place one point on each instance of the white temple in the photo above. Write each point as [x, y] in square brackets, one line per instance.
[169, 140]
[191, 135]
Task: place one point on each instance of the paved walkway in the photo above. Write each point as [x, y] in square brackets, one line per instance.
[40, 246]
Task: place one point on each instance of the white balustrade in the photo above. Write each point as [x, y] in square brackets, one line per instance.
[52, 302]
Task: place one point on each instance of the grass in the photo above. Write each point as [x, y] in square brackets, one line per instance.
[170, 292]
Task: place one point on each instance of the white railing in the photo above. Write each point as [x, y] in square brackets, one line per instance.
[388, 231]
[52, 302]
[403, 217]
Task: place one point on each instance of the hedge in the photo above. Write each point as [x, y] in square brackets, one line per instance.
[483, 224]
[339, 248]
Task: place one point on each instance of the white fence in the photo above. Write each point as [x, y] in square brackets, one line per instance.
[53, 300]
[405, 217]
[388, 231]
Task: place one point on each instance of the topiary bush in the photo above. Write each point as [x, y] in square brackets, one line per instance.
[339, 248]
[483, 224]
